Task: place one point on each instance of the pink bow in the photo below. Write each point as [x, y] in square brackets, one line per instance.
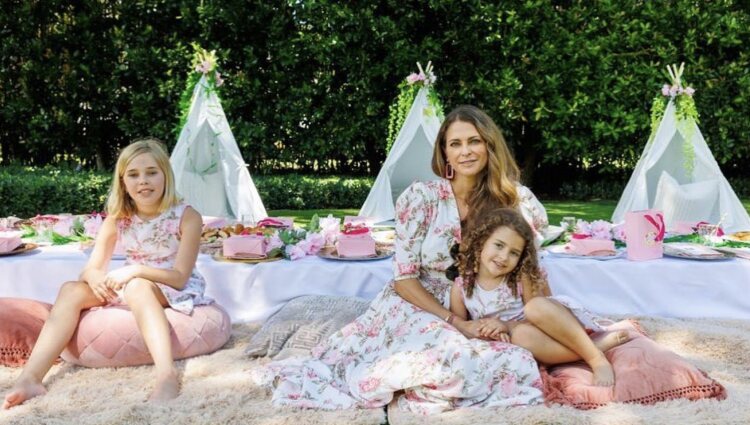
[660, 227]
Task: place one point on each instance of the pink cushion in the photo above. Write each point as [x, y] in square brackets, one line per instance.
[645, 373]
[20, 323]
[109, 336]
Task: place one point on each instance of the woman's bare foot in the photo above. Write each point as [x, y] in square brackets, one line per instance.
[23, 390]
[167, 387]
[604, 374]
[611, 340]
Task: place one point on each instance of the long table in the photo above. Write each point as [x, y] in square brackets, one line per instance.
[250, 292]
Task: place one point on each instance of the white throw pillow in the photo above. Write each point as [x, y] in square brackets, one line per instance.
[688, 202]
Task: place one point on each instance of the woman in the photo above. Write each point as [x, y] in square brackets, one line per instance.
[408, 340]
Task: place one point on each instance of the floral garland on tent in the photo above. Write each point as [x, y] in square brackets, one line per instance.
[408, 90]
[687, 114]
[203, 65]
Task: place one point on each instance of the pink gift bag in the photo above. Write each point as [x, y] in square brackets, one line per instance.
[644, 234]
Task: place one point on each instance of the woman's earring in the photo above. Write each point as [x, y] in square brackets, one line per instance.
[448, 171]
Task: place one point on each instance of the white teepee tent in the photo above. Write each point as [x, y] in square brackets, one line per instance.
[209, 170]
[409, 159]
[678, 174]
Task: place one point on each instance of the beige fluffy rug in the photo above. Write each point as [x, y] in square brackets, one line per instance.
[216, 389]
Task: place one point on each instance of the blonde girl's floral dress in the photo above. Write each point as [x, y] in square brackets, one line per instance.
[396, 346]
[154, 243]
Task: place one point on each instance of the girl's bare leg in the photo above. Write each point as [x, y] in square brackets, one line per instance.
[55, 335]
[560, 325]
[147, 302]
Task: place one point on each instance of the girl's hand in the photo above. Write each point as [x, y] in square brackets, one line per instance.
[494, 328]
[118, 278]
[101, 291]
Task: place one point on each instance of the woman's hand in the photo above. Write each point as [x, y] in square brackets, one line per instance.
[469, 328]
[118, 278]
[494, 328]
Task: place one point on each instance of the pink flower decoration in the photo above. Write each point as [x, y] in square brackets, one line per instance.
[295, 252]
[582, 228]
[91, 225]
[413, 78]
[618, 232]
[63, 226]
[274, 242]
[601, 229]
[315, 241]
[689, 91]
[665, 90]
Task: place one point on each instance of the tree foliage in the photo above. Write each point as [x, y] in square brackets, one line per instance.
[309, 82]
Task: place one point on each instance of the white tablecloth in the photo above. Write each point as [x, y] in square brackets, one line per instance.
[666, 287]
[247, 291]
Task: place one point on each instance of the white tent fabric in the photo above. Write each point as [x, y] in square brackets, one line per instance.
[703, 195]
[209, 170]
[409, 159]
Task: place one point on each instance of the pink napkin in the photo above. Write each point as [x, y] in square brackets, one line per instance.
[9, 241]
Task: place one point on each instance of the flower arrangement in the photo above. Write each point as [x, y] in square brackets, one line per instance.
[296, 243]
[681, 95]
[408, 90]
[63, 229]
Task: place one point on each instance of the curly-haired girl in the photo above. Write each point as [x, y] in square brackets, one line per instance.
[498, 280]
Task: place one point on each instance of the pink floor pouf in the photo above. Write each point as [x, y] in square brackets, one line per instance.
[109, 336]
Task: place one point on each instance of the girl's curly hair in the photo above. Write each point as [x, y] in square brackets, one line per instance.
[467, 255]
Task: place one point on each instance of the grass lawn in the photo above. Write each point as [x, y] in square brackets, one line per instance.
[556, 210]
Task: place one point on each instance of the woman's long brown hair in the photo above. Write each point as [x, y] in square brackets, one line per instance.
[496, 185]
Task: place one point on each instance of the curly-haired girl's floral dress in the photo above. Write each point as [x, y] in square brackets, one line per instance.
[395, 345]
[154, 243]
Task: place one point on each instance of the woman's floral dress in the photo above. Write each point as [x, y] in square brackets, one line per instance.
[396, 346]
[154, 243]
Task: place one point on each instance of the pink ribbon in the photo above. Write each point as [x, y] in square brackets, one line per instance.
[358, 229]
[660, 227]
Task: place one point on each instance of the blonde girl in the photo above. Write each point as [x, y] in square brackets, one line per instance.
[161, 237]
[497, 280]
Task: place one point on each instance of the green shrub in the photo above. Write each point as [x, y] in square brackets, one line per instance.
[28, 191]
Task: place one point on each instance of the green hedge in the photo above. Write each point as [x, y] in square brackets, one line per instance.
[27, 191]
[308, 83]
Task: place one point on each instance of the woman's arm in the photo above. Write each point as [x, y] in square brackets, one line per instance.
[177, 276]
[412, 291]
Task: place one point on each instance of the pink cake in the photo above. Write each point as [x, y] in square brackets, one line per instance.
[590, 247]
[356, 245]
[245, 246]
[9, 241]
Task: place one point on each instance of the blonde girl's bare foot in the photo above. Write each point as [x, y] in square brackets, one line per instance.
[22, 391]
[167, 388]
[604, 374]
[611, 340]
